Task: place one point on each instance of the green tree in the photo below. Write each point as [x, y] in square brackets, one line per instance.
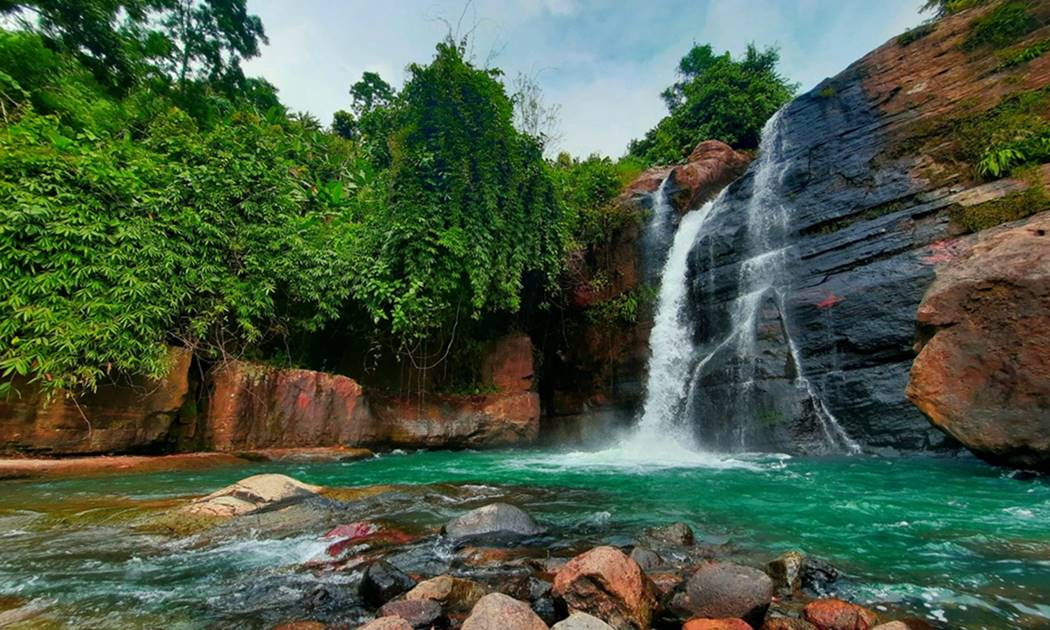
[716, 98]
[470, 208]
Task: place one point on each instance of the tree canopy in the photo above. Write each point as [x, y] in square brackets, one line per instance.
[716, 98]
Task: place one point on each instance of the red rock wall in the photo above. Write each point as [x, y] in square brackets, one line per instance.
[133, 416]
[253, 406]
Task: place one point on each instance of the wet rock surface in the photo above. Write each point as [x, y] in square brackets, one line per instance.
[869, 195]
[607, 584]
[836, 614]
[493, 522]
[496, 611]
[382, 582]
[726, 590]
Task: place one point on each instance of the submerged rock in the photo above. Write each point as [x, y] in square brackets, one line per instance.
[497, 611]
[581, 621]
[678, 534]
[496, 520]
[607, 584]
[836, 614]
[252, 494]
[817, 575]
[725, 590]
[983, 371]
[382, 582]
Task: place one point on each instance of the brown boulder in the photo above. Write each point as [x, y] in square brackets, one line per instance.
[251, 495]
[581, 621]
[254, 406]
[649, 180]
[456, 595]
[786, 571]
[123, 415]
[711, 166]
[983, 372]
[607, 584]
[496, 611]
[836, 614]
[787, 623]
[701, 623]
[419, 613]
[507, 365]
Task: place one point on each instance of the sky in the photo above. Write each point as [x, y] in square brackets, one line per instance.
[603, 62]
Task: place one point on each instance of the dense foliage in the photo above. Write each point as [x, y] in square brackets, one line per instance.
[716, 98]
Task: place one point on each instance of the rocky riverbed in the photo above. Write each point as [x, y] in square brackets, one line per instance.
[534, 539]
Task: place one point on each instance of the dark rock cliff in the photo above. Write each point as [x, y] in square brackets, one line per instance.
[870, 175]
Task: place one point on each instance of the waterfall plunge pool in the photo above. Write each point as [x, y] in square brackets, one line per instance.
[958, 542]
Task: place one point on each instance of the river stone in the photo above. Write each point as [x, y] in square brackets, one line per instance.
[607, 584]
[786, 571]
[250, 495]
[387, 623]
[893, 625]
[724, 590]
[817, 575]
[456, 595]
[787, 623]
[419, 613]
[497, 611]
[495, 520]
[581, 621]
[382, 582]
[701, 623]
[678, 534]
[647, 559]
[836, 614]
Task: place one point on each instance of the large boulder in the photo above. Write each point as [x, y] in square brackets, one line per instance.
[122, 415]
[983, 371]
[250, 495]
[836, 614]
[720, 590]
[496, 520]
[419, 613]
[254, 406]
[711, 166]
[607, 584]
[497, 611]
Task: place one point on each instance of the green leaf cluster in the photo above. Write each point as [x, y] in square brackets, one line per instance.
[716, 98]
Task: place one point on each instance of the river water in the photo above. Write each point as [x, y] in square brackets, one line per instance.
[963, 544]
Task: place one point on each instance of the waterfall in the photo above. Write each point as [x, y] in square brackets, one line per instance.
[670, 418]
[671, 344]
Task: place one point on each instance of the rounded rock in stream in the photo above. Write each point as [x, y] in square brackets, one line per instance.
[837, 614]
[419, 613]
[493, 521]
[787, 623]
[607, 584]
[581, 621]
[456, 595]
[497, 611]
[251, 495]
[382, 582]
[786, 571]
[701, 623]
[678, 534]
[720, 590]
[387, 623]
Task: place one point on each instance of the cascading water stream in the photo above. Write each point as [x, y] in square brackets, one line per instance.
[676, 365]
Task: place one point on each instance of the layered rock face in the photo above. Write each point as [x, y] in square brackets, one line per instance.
[816, 260]
[132, 416]
[253, 406]
[594, 369]
[266, 412]
[983, 371]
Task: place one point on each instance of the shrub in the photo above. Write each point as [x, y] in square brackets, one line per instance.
[1001, 26]
[915, 34]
